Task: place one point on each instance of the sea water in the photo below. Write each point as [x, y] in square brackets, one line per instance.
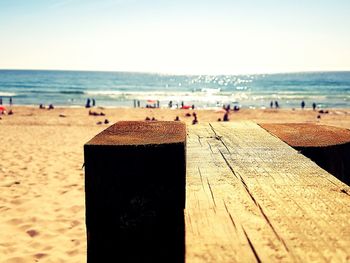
[120, 89]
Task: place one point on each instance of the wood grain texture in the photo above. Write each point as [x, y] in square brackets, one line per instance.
[327, 146]
[252, 198]
[308, 134]
[141, 133]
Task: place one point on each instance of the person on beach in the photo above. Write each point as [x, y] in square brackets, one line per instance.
[93, 102]
[2, 110]
[271, 104]
[10, 101]
[87, 105]
[302, 105]
[226, 116]
[195, 120]
[276, 104]
[94, 113]
[0, 101]
[314, 106]
[170, 104]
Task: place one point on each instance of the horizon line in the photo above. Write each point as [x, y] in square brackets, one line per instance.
[178, 74]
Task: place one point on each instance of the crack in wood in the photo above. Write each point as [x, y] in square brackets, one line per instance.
[273, 228]
[345, 192]
[199, 140]
[211, 191]
[229, 214]
[219, 138]
[200, 175]
[190, 221]
[255, 202]
[252, 247]
[240, 178]
[229, 166]
[210, 147]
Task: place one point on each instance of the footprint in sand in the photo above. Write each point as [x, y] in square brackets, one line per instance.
[15, 221]
[9, 184]
[74, 223]
[32, 233]
[73, 252]
[17, 260]
[24, 227]
[40, 255]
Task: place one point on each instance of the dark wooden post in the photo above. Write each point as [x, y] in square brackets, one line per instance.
[135, 193]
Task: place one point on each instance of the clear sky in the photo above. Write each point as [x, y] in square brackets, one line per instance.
[176, 36]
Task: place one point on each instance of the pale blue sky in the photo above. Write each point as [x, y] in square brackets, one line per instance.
[214, 37]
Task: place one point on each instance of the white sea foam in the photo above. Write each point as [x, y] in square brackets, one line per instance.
[211, 91]
[7, 94]
[204, 96]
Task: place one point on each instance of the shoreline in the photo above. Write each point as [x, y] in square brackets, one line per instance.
[23, 115]
[174, 108]
[167, 108]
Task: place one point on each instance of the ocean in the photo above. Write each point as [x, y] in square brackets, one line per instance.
[120, 89]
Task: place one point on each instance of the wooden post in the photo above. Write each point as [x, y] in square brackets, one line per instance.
[135, 193]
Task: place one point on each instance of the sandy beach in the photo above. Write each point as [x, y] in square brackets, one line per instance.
[42, 213]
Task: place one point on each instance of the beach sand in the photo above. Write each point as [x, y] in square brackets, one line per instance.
[42, 213]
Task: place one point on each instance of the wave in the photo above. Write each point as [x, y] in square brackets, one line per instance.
[211, 90]
[7, 94]
[74, 92]
[214, 95]
[175, 96]
[77, 92]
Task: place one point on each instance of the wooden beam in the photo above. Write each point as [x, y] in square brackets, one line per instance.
[308, 134]
[135, 192]
[327, 146]
[252, 198]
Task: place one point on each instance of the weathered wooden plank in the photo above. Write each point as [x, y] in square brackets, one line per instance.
[308, 134]
[135, 193]
[250, 197]
[327, 146]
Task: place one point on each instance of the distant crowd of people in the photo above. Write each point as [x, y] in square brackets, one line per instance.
[302, 105]
[137, 104]
[90, 103]
[156, 104]
[3, 109]
[10, 101]
[275, 103]
[183, 106]
[43, 107]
